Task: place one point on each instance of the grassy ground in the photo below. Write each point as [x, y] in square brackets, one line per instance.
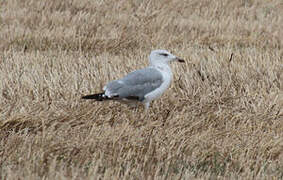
[221, 118]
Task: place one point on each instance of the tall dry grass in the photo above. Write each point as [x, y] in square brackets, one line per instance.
[221, 118]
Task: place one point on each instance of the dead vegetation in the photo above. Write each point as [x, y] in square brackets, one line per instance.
[221, 118]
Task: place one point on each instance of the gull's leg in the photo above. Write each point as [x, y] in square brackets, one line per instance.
[144, 115]
[146, 106]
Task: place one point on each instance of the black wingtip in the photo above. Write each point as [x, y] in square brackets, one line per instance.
[98, 97]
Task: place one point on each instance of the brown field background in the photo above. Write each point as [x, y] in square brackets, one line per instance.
[222, 117]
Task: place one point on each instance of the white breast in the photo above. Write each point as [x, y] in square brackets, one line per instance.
[167, 76]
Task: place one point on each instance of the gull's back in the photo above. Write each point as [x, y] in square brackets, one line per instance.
[135, 85]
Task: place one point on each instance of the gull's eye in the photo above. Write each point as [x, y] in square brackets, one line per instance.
[164, 54]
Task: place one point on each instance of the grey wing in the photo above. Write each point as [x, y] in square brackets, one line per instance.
[135, 85]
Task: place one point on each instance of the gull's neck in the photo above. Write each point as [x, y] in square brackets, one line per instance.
[166, 72]
[164, 67]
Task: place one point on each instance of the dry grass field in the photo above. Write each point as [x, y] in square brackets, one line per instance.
[222, 117]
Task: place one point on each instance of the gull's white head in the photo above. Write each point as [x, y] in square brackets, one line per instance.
[162, 57]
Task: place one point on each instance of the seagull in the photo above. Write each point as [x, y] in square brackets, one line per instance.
[143, 85]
